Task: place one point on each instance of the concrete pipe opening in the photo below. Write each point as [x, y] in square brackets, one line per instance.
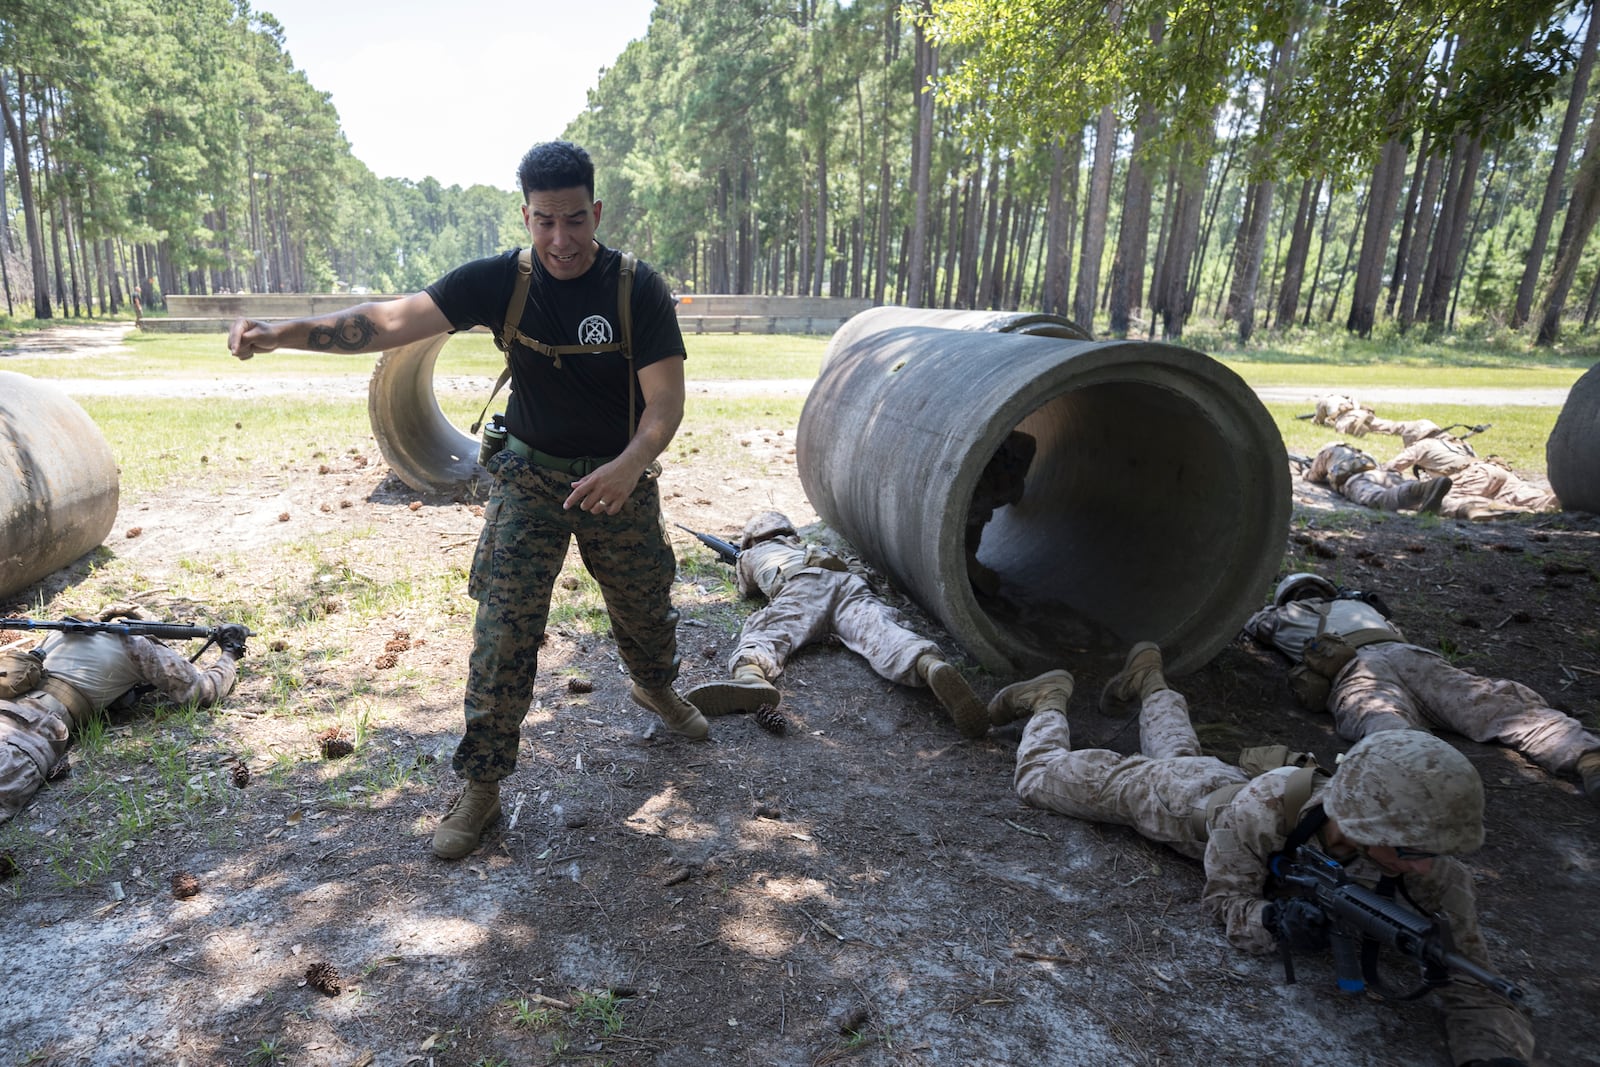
[58, 481]
[423, 448]
[1572, 454]
[1156, 506]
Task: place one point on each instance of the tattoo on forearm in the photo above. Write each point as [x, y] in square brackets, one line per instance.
[351, 333]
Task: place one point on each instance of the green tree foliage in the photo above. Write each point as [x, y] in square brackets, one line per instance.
[172, 146]
[1296, 158]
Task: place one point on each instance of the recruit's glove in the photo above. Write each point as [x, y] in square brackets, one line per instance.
[1297, 923]
[231, 639]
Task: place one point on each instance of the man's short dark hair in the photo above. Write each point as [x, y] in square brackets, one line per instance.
[555, 165]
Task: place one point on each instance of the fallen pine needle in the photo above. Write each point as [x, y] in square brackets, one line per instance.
[1019, 828]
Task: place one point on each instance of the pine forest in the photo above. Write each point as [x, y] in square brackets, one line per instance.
[1139, 167]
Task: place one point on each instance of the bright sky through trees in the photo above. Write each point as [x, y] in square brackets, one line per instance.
[455, 91]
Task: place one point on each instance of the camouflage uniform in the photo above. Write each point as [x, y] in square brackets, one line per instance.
[1000, 484]
[1392, 685]
[96, 669]
[520, 552]
[1344, 414]
[810, 595]
[1157, 793]
[1488, 479]
[1356, 476]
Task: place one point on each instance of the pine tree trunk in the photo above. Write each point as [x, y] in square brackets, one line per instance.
[1349, 251]
[1387, 177]
[17, 130]
[1322, 247]
[1057, 269]
[991, 216]
[1581, 214]
[1472, 234]
[1421, 241]
[918, 286]
[1529, 284]
[1408, 223]
[971, 212]
[1096, 210]
[1453, 236]
[1294, 267]
[1133, 236]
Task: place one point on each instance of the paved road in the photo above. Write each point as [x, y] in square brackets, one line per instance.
[89, 339]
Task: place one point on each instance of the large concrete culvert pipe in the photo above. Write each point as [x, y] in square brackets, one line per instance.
[58, 481]
[1156, 506]
[1572, 454]
[423, 448]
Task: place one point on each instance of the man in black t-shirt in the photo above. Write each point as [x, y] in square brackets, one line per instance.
[576, 463]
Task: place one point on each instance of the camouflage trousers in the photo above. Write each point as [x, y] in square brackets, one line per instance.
[1378, 489]
[520, 552]
[33, 738]
[814, 603]
[1155, 792]
[1396, 686]
[1494, 482]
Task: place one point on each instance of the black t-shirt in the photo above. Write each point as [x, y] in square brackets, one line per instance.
[580, 408]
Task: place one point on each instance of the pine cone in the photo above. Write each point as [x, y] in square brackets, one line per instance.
[333, 743]
[576, 684]
[185, 885]
[241, 775]
[768, 719]
[322, 976]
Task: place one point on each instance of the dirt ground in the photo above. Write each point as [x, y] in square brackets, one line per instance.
[864, 888]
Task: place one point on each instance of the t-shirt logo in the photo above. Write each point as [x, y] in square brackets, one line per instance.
[594, 330]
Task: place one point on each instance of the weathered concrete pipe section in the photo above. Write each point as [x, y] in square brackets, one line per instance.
[423, 448]
[1156, 506]
[58, 481]
[1572, 454]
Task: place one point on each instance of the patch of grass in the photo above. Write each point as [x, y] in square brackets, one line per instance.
[600, 1009]
[1502, 358]
[270, 1051]
[1517, 433]
[525, 1015]
[577, 604]
[158, 441]
[753, 356]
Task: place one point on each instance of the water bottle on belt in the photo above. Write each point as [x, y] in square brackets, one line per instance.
[494, 438]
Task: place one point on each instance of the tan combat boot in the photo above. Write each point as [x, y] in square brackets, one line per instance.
[461, 829]
[1019, 700]
[1422, 497]
[1589, 771]
[747, 690]
[679, 715]
[1140, 675]
[954, 695]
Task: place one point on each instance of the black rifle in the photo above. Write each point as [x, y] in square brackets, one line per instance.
[1363, 919]
[726, 553]
[231, 634]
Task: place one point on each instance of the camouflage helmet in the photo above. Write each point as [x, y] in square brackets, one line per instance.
[1407, 789]
[1420, 430]
[1303, 584]
[763, 525]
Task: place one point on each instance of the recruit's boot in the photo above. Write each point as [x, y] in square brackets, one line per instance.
[461, 829]
[1423, 497]
[954, 695]
[1140, 675]
[1589, 771]
[747, 690]
[680, 716]
[1048, 692]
